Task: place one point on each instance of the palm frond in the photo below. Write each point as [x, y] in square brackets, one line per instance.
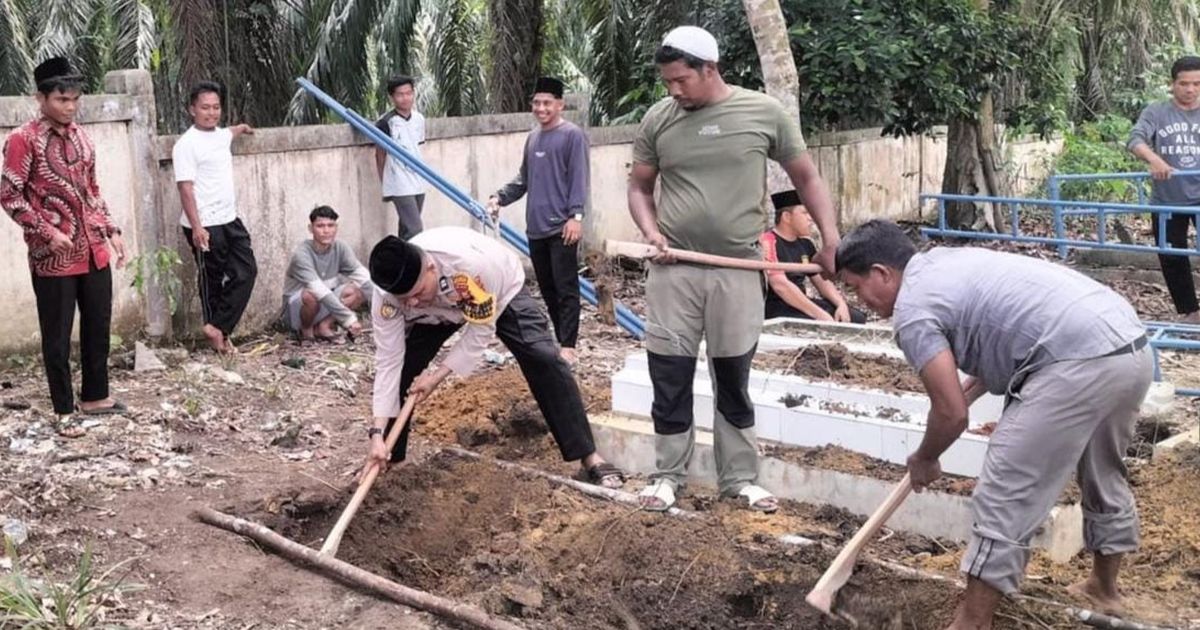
[516, 51]
[338, 57]
[136, 33]
[16, 64]
[455, 59]
[59, 25]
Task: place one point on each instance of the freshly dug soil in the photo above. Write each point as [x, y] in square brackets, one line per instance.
[554, 559]
[833, 362]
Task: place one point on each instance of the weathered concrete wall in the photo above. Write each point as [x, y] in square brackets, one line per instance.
[283, 173]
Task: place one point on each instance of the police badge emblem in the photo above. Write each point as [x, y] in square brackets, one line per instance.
[478, 306]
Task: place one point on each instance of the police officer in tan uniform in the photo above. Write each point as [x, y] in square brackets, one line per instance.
[433, 285]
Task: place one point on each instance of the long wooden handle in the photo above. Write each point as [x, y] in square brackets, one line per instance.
[821, 596]
[334, 539]
[643, 250]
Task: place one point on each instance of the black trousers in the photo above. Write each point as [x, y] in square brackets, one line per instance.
[57, 297]
[556, 266]
[1177, 270]
[523, 330]
[225, 274]
[783, 309]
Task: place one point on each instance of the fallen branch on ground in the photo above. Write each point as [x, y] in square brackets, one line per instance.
[353, 575]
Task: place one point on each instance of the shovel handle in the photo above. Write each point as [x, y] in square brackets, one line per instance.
[644, 250]
[334, 539]
[821, 596]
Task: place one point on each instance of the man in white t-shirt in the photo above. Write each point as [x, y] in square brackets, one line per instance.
[225, 265]
[401, 185]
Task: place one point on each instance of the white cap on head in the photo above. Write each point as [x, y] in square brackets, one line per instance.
[695, 41]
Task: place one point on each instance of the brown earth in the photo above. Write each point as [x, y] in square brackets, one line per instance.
[520, 547]
[833, 362]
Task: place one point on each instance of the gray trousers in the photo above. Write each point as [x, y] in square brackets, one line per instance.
[408, 211]
[687, 303]
[1071, 416]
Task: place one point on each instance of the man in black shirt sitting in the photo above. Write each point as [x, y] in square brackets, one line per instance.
[790, 242]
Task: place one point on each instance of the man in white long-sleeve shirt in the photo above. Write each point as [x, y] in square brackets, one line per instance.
[452, 278]
[325, 283]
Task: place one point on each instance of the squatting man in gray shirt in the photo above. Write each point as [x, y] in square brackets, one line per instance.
[1070, 356]
[325, 283]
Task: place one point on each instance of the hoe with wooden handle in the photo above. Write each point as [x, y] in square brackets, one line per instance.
[644, 250]
[822, 595]
[334, 538]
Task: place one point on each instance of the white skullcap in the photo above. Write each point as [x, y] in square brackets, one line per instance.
[695, 41]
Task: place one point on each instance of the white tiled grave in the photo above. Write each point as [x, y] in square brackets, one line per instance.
[796, 411]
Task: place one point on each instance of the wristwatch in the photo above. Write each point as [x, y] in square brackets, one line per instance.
[578, 216]
[373, 431]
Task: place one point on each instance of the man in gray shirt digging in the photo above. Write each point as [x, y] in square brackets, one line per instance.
[1167, 138]
[1071, 357]
[554, 172]
[325, 283]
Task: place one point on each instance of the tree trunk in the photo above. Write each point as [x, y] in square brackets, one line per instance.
[1090, 84]
[779, 72]
[972, 165]
[350, 574]
[516, 52]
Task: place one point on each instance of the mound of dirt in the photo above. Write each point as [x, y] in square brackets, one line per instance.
[523, 548]
[834, 362]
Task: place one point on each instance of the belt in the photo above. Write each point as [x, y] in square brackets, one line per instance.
[1129, 348]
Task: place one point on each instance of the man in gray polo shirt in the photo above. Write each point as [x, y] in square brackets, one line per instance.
[708, 146]
[1167, 138]
[1071, 357]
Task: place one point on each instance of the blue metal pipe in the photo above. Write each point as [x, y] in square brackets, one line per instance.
[626, 318]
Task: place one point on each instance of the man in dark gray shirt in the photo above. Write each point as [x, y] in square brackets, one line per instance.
[554, 172]
[1167, 138]
[1071, 356]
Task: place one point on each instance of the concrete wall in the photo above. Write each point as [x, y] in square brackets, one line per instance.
[282, 173]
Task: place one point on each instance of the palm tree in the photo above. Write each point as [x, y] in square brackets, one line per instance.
[516, 51]
[96, 35]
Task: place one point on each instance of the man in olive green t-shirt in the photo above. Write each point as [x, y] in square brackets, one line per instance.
[708, 146]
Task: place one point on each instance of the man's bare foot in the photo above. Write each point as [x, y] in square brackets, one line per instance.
[216, 338]
[1191, 318]
[568, 355]
[307, 334]
[1104, 602]
[93, 405]
[324, 330]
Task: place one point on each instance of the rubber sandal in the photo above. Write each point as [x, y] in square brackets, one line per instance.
[116, 409]
[754, 496]
[661, 491]
[69, 427]
[606, 475]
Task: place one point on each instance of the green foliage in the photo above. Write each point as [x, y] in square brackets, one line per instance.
[908, 65]
[160, 268]
[42, 604]
[1099, 147]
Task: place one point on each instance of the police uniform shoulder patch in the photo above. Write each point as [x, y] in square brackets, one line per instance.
[388, 311]
[478, 306]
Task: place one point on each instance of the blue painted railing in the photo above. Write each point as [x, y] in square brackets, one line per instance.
[625, 317]
[1054, 184]
[1062, 209]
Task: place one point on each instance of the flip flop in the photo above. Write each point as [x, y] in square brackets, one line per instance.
[116, 409]
[606, 475]
[69, 426]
